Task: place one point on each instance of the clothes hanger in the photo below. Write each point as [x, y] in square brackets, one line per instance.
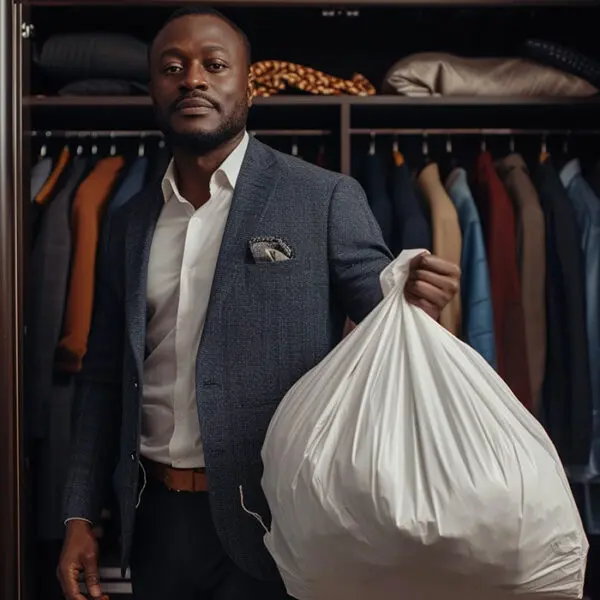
[94, 148]
[483, 145]
[113, 146]
[448, 161]
[141, 147]
[396, 154]
[565, 155]
[372, 148]
[544, 154]
[44, 147]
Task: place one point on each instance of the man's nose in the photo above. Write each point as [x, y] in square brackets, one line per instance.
[195, 77]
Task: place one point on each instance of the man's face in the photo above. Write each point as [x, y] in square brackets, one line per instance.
[199, 82]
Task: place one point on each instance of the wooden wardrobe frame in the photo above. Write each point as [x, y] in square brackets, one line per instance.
[14, 109]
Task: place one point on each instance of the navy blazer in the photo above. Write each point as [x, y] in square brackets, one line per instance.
[267, 325]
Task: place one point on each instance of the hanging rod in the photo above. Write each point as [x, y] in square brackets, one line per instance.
[79, 134]
[64, 133]
[290, 132]
[483, 132]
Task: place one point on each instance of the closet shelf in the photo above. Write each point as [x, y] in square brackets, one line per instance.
[315, 101]
[331, 112]
[320, 3]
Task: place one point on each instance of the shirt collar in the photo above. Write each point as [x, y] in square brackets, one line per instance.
[228, 171]
[570, 171]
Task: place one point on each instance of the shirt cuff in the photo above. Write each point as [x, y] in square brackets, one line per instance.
[77, 519]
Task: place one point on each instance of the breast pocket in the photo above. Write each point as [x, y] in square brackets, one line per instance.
[274, 280]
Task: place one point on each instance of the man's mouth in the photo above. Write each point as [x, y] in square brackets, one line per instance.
[192, 106]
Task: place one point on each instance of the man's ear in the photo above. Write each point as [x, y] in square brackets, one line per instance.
[251, 89]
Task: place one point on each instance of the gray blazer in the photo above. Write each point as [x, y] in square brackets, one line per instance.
[267, 325]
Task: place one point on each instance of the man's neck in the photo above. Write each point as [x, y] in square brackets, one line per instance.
[193, 172]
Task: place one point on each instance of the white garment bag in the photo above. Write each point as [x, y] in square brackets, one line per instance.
[402, 467]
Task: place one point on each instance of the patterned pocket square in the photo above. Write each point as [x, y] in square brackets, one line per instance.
[270, 249]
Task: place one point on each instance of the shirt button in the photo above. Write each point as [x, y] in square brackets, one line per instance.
[133, 456]
[135, 385]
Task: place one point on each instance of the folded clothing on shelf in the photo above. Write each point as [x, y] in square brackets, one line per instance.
[78, 57]
[440, 74]
[274, 76]
[565, 59]
[103, 87]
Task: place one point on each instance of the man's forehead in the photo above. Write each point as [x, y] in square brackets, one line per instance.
[198, 28]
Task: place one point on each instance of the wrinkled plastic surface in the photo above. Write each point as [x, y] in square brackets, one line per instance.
[402, 466]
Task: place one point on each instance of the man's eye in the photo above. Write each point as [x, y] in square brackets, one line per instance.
[170, 69]
[216, 66]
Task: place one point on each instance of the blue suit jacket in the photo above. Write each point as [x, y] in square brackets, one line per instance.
[267, 325]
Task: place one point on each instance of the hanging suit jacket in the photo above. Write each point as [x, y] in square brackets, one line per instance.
[447, 239]
[593, 179]
[587, 212]
[476, 294]
[496, 211]
[374, 182]
[131, 185]
[267, 325]
[411, 227]
[531, 257]
[39, 175]
[567, 404]
[50, 395]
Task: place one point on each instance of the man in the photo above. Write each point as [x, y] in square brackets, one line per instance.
[198, 333]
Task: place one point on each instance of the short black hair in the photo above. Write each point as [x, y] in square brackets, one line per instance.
[205, 10]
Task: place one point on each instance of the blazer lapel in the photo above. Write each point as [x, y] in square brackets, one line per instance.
[140, 231]
[254, 188]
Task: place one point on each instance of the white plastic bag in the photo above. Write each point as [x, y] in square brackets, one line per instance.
[402, 467]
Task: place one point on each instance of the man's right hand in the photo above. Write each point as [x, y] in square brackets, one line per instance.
[79, 553]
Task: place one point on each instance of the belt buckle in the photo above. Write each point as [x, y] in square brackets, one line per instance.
[169, 483]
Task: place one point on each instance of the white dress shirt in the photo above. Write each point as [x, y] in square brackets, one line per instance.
[181, 268]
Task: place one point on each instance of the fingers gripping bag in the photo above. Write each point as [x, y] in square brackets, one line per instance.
[403, 467]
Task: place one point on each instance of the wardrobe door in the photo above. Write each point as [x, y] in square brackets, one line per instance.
[11, 574]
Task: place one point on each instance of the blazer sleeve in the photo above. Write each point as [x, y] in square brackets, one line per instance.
[97, 410]
[357, 251]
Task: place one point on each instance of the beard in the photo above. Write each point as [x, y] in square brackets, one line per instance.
[199, 143]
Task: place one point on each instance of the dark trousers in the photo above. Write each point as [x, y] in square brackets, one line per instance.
[177, 554]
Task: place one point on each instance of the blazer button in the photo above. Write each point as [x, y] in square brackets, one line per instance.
[133, 456]
[135, 385]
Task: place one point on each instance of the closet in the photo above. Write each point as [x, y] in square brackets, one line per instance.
[57, 108]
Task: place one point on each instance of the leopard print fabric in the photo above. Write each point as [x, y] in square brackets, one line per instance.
[274, 76]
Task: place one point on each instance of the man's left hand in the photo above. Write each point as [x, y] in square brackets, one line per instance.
[432, 283]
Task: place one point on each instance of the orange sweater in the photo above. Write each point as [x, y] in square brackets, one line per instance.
[86, 220]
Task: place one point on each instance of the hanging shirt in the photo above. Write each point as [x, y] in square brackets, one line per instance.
[476, 294]
[182, 263]
[587, 211]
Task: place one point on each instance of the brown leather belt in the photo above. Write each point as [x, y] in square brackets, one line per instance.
[177, 480]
